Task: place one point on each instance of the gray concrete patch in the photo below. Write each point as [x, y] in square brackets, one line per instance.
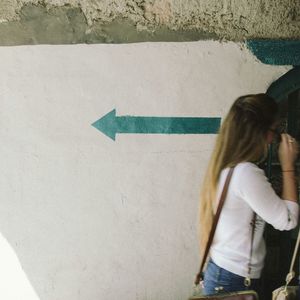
[118, 21]
[68, 25]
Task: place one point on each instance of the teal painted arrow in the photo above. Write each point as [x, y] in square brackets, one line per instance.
[110, 125]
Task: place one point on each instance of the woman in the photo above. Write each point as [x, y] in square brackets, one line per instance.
[243, 141]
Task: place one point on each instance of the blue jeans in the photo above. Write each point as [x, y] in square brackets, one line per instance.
[219, 280]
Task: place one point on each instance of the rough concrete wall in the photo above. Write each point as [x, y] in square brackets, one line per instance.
[73, 21]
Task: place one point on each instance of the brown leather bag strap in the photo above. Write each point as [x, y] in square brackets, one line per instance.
[214, 225]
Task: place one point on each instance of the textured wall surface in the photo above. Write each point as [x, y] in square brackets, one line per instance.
[116, 21]
[92, 218]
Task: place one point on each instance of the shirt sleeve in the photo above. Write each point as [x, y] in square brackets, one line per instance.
[255, 189]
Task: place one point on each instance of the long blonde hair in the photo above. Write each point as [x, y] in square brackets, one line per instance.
[242, 138]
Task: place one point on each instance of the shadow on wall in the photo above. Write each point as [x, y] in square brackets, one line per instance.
[14, 282]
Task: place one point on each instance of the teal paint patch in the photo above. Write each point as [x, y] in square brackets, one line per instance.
[276, 52]
[110, 125]
[285, 85]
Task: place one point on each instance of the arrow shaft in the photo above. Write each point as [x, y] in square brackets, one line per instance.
[167, 125]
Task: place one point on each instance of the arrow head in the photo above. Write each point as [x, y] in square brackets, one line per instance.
[107, 124]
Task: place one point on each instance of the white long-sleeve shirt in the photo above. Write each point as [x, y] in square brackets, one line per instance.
[249, 191]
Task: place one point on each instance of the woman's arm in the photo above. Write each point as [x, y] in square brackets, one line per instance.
[288, 152]
[255, 189]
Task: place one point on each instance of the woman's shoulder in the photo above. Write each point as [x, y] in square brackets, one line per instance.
[246, 165]
[243, 173]
[247, 169]
[243, 166]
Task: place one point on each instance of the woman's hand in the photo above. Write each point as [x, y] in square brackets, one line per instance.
[288, 152]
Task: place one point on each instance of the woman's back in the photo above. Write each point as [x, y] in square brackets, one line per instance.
[249, 192]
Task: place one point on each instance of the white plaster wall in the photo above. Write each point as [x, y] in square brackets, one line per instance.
[90, 218]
